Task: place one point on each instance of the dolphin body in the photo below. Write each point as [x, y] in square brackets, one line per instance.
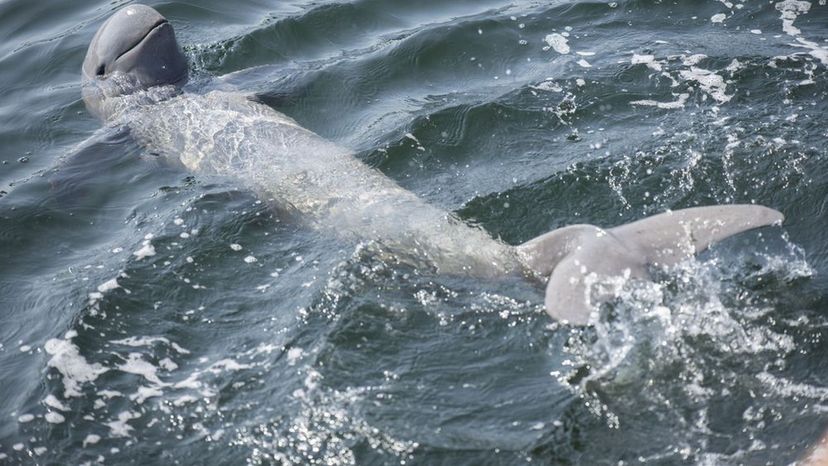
[133, 73]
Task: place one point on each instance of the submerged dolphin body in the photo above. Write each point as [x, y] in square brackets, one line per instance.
[132, 76]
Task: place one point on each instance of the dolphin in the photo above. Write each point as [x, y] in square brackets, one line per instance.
[134, 75]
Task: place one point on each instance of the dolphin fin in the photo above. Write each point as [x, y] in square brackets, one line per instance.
[574, 256]
[674, 236]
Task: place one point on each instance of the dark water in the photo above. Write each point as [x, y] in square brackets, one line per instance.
[319, 353]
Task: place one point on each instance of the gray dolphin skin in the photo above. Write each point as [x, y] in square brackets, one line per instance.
[133, 76]
[137, 47]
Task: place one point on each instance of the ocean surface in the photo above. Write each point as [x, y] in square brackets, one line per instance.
[153, 316]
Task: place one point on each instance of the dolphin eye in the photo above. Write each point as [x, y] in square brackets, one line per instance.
[100, 71]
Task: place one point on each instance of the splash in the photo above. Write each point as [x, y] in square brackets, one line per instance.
[692, 325]
[323, 431]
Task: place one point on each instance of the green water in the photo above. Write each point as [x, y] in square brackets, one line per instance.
[319, 352]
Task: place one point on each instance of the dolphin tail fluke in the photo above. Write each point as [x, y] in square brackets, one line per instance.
[575, 255]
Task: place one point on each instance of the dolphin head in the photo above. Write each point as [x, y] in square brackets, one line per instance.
[135, 49]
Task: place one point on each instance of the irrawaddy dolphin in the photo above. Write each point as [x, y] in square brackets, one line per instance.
[133, 76]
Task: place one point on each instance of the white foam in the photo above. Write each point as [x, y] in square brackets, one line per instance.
[236, 247]
[74, 368]
[548, 85]
[293, 355]
[648, 60]
[143, 393]
[24, 418]
[148, 341]
[557, 42]
[178, 348]
[145, 251]
[120, 428]
[53, 402]
[185, 399]
[91, 439]
[167, 364]
[108, 285]
[190, 382]
[109, 393]
[734, 66]
[820, 53]
[413, 138]
[227, 364]
[584, 63]
[54, 418]
[710, 82]
[135, 364]
[682, 99]
[250, 259]
[692, 60]
[140, 341]
[790, 10]
[718, 18]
